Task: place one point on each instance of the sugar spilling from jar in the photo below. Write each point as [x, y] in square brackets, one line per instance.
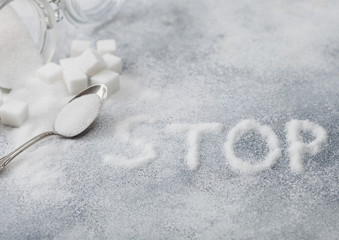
[19, 56]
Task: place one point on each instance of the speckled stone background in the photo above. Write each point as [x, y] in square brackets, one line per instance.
[193, 61]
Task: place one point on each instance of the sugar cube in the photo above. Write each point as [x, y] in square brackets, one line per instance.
[79, 46]
[50, 72]
[75, 80]
[106, 46]
[109, 78]
[113, 62]
[91, 62]
[68, 63]
[13, 112]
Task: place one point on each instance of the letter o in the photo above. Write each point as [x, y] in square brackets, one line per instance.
[269, 136]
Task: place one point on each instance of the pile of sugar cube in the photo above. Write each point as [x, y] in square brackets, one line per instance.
[84, 68]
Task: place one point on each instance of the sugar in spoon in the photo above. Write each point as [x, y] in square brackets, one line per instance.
[72, 120]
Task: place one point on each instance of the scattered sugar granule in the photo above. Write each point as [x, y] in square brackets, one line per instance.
[194, 138]
[17, 50]
[77, 115]
[269, 136]
[123, 131]
[297, 147]
[13, 112]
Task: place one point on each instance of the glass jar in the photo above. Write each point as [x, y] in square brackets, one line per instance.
[41, 17]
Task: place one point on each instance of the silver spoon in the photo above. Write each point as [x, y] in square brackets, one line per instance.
[99, 90]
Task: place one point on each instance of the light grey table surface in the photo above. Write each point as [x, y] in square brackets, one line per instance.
[195, 61]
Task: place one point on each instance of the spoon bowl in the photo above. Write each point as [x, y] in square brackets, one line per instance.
[80, 111]
[72, 120]
[99, 89]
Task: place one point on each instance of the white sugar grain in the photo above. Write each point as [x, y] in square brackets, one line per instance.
[15, 67]
[194, 139]
[76, 116]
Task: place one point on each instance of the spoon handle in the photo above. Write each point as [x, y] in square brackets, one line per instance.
[6, 159]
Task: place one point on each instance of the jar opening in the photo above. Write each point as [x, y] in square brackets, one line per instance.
[89, 13]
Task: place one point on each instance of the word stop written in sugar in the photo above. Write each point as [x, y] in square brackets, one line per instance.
[298, 149]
